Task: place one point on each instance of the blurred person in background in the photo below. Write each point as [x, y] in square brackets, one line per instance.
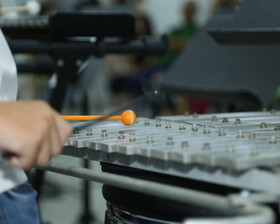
[122, 68]
[180, 36]
[130, 75]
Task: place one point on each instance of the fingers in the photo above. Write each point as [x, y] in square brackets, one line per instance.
[33, 138]
[34, 149]
[45, 152]
[24, 155]
[15, 161]
[54, 137]
[64, 129]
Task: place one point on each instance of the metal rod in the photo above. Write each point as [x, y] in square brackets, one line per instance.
[146, 47]
[250, 211]
[87, 216]
[14, 9]
[252, 214]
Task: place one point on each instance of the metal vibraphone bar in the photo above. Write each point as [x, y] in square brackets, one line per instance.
[235, 149]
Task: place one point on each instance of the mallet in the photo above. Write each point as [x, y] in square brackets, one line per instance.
[128, 117]
[31, 7]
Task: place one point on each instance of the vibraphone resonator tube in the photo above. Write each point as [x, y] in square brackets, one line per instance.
[128, 117]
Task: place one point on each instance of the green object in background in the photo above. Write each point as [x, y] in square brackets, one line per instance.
[277, 94]
[184, 32]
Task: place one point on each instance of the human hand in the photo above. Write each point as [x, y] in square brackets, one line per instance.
[32, 132]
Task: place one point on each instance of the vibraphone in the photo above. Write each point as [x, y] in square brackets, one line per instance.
[233, 149]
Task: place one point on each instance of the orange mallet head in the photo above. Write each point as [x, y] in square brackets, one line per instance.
[128, 117]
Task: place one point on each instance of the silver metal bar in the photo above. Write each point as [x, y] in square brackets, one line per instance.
[249, 212]
[259, 215]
